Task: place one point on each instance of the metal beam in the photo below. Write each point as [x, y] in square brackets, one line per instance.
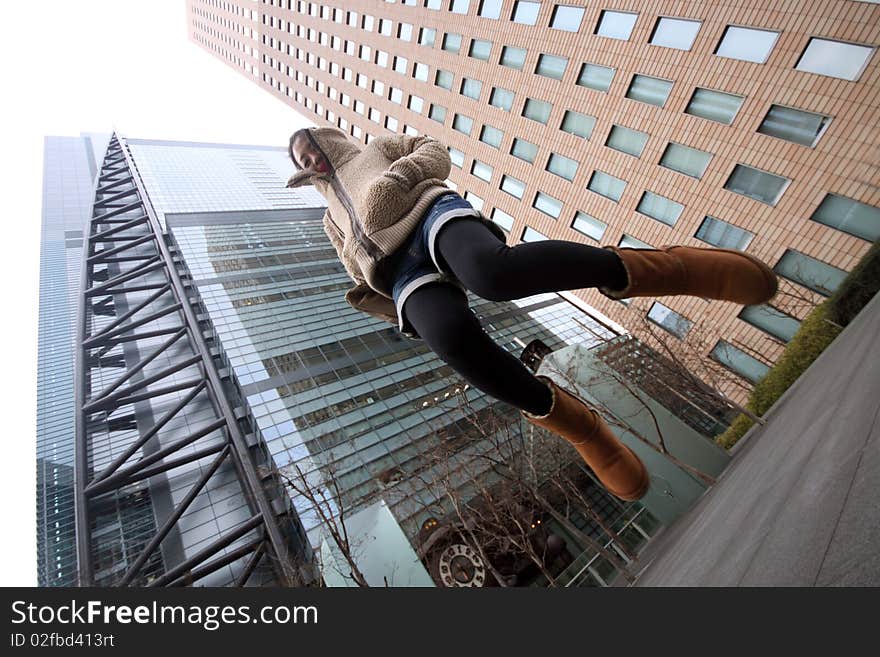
[178, 512]
[122, 458]
[114, 238]
[204, 554]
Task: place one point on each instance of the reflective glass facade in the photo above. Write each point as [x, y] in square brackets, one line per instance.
[336, 394]
[68, 174]
[342, 396]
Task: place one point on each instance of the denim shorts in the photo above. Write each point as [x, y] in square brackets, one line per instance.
[416, 263]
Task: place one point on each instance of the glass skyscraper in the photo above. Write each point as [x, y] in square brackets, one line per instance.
[69, 170]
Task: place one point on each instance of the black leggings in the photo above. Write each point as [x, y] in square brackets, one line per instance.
[497, 272]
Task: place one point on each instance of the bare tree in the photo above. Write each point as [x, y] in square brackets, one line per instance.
[327, 501]
[495, 509]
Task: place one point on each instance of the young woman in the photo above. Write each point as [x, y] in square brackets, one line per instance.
[413, 247]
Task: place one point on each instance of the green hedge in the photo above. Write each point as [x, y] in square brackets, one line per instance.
[816, 332]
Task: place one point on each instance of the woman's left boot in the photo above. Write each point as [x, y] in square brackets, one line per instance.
[723, 274]
[615, 464]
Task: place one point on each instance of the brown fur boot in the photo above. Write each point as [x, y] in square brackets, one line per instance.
[724, 274]
[615, 464]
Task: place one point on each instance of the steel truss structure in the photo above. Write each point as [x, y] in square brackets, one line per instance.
[160, 427]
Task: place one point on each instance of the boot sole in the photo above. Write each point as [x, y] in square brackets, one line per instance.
[644, 483]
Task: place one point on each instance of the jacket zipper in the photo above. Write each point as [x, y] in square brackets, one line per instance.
[371, 248]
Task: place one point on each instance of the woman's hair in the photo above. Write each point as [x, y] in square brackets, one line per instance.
[293, 137]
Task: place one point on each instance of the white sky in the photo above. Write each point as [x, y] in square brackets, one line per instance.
[72, 66]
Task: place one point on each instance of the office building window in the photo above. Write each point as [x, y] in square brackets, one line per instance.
[502, 98]
[443, 79]
[551, 67]
[723, 234]
[513, 186]
[379, 88]
[532, 235]
[595, 77]
[456, 156]
[433, 4]
[738, 361]
[686, 160]
[850, 216]
[567, 18]
[524, 150]
[626, 140]
[385, 27]
[375, 115]
[420, 72]
[646, 89]
[400, 65]
[475, 201]
[525, 12]
[630, 242]
[391, 123]
[480, 49]
[660, 208]
[471, 88]
[562, 166]
[770, 320]
[463, 124]
[427, 36]
[490, 9]
[795, 125]
[404, 31]
[676, 33]
[589, 226]
[503, 219]
[547, 204]
[606, 185]
[460, 6]
[452, 42]
[537, 110]
[835, 58]
[669, 320]
[481, 170]
[578, 124]
[491, 136]
[396, 96]
[368, 23]
[714, 105]
[756, 184]
[811, 273]
[616, 24]
[438, 113]
[513, 57]
[748, 44]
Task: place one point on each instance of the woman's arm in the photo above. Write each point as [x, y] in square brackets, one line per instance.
[415, 158]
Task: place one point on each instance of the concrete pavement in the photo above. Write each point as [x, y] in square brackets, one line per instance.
[798, 505]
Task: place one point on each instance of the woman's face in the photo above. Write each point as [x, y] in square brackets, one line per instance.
[308, 156]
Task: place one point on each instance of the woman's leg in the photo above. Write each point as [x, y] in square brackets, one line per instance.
[495, 271]
[440, 313]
